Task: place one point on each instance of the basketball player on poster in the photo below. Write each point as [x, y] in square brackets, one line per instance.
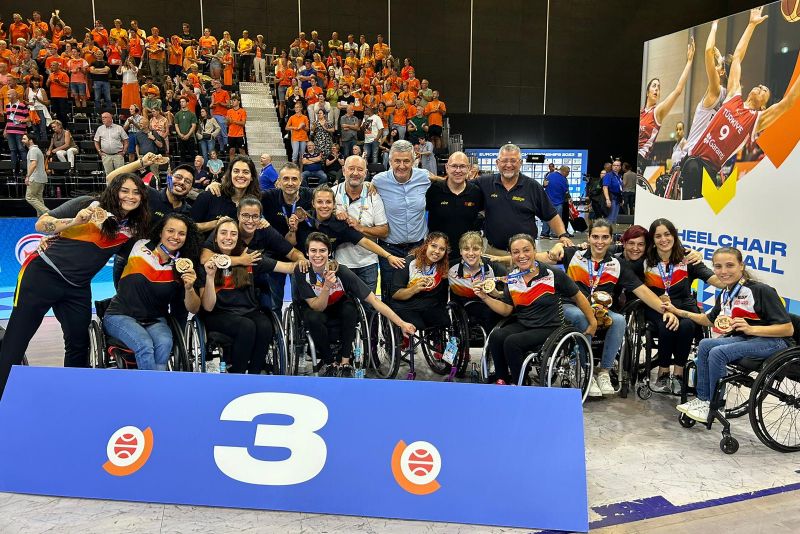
[653, 113]
[736, 122]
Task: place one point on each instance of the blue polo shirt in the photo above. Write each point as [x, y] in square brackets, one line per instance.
[613, 181]
[307, 72]
[557, 187]
[404, 204]
[268, 177]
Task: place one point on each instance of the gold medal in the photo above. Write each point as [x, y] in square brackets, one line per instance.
[183, 265]
[332, 266]
[724, 324]
[427, 282]
[489, 286]
[221, 261]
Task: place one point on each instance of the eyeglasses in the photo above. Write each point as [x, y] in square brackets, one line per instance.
[249, 217]
[458, 167]
[508, 161]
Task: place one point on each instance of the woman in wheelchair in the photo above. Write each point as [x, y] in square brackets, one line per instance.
[323, 295]
[420, 289]
[668, 274]
[534, 291]
[156, 276]
[750, 319]
[229, 299]
[596, 271]
[475, 268]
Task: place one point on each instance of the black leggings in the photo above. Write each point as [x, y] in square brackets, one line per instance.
[251, 334]
[509, 346]
[671, 343]
[41, 288]
[484, 315]
[434, 317]
[316, 322]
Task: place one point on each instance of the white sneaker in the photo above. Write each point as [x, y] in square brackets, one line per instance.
[594, 389]
[700, 411]
[212, 367]
[604, 382]
[686, 406]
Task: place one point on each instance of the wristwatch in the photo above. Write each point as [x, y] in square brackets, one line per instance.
[565, 234]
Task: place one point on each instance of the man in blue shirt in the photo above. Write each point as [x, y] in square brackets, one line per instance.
[268, 173]
[306, 75]
[556, 187]
[612, 190]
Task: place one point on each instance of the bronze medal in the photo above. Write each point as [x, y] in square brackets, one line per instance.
[332, 266]
[183, 265]
[427, 282]
[301, 214]
[489, 286]
[99, 215]
[724, 324]
[221, 261]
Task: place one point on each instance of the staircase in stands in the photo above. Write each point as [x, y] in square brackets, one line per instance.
[263, 129]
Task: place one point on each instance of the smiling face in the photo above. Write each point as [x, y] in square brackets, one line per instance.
[290, 181]
[728, 268]
[324, 204]
[509, 162]
[182, 182]
[663, 239]
[471, 253]
[401, 163]
[249, 218]
[173, 236]
[634, 248]
[227, 235]
[522, 254]
[435, 250]
[355, 171]
[130, 197]
[317, 254]
[599, 241]
[240, 175]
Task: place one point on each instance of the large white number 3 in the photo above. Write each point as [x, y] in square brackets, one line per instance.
[724, 131]
[308, 450]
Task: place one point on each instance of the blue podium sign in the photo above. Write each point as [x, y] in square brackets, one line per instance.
[409, 450]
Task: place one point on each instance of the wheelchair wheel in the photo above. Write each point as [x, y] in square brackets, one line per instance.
[686, 421]
[292, 341]
[361, 343]
[775, 402]
[97, 347]
[277, 351]
[179, 359]
[460, 322]
[195, 345]
[384, 351]
[433, 343]
[561, 364]
[737, 400]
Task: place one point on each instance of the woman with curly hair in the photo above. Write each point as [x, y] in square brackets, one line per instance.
[159, 273]
[86, 233]
[240, 181]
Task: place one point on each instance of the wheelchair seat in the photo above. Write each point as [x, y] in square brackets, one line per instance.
[750, 364]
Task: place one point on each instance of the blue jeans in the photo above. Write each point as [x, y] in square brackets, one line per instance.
[371, 151]
[615, 200]
[18, 150]
[105, 89]
[347, 146]
[223, 131]
[323, 178]
[368, 275]
[714, 354]
[401, 130]
[298, 147]
[40, 130]
[206, 146]
[546, 230]
[614, 335]
[151, 345]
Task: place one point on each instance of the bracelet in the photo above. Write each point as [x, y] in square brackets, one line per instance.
[141, 163]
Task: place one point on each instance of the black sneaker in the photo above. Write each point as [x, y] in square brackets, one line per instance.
[663, 384]
[346, 371]
[331, 370]
[677, 384]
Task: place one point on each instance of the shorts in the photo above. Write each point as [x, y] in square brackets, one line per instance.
[692, 168]
[434, 130]
[282, 92]
[235, 142]
[77, 88]
[131, 143]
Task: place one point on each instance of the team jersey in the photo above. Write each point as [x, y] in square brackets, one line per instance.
[339, 232]
[756, 303]
[208, 207]
[612, 272]
[700, 121]
[732, 126]
[79, 252]
[648, 131]
[461, 280]
[680, 283]
[147, 286]
[410, 276]
[237, 301]
[266, 241]
[538, 302]
[309, 285]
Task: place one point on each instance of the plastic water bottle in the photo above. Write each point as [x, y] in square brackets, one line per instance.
[223, 368]
[58, 192]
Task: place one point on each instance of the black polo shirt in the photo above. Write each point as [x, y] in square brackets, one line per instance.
[160, 206]
[275, 206]
[453, 214]
[339, 232]
[267, 241]
[514, 211]
[208, 207]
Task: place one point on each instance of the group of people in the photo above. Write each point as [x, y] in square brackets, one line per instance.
[226, 257]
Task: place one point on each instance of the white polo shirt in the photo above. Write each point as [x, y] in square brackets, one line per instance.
[370, 209]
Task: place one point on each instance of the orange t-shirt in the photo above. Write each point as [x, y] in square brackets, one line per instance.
[175, 54]
[413, 86]
[295, 121]
[372, 101]
[434, 112]
[117, 33]
[42, 26]
[207, 44]
[404, 72]
[220, 96]
[5, 57]
[48, 63]
[135, 46]
[352, 62]
[100, 37]
[313, 95]
[57, 35]
[88, 54]
[406, 96]
[192, 98]
[234, 130]
[18, 29]
[388, 100]
[358, 105]
[347, 80]
[319, 66]
[156, 52]
[379, 50]
[114, 56]
[285, 76]
[56, 90]
[400, 115]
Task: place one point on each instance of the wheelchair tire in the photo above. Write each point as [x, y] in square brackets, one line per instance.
[737, 401]
[195, 345]
[644, 392]
[277, 350]
[560, 361]
[292, 342]
[729, 445]
[774, 405]
[384, 351]
[97, 346]
[686, 421]
[179, 357]
[437, 365]
[460, 321]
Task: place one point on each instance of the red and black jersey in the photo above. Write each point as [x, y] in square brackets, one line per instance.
[310, 286]
[582, 270]
[732, 126]
[648, 131]
[538, 302]
[680, 281]
[461, 281]
[410, 276]
[756, 303]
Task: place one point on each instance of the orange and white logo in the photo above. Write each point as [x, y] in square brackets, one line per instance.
[128, 449]
[416, 466]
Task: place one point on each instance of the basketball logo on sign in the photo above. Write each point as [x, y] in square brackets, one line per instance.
[128, 449]
[790, 9]
[416, 466]
[27, 246]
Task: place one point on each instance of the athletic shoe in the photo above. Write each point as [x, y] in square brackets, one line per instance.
[604, 383]
[594, 389]
[677, 385]
[331, 370]
[700, 411]
[500, 382]
[686, 406]
[346, 371]
[663, 384]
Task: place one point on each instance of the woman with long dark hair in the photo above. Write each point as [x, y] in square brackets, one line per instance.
[159, 273]
[240, 181]
[87, 232]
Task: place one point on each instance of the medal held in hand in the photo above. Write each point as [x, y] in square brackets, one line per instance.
[301, 214]
[724, 324]
[332, 266]
[99, 215]
[427, 282]
[221, 261]
[489, 285]
[183, 265]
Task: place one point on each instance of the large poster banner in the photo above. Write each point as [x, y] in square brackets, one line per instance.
[385, 448]
[718, 138]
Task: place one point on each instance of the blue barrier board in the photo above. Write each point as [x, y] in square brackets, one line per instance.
[408, 450]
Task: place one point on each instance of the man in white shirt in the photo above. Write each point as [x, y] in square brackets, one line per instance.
[364, 213]
[363, 48]
[373, 133]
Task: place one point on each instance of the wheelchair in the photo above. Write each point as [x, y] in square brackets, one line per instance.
[432, 342]
[299, 343]
[766, 389]
[203, 346]
[477, 337]
[108, 352]
[557, 363]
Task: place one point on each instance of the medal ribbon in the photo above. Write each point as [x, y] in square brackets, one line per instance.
[731, 294]
[513, 276]
[594, 282]
[346, 202]
[294, 207]
[666, 278]
[173, 257]
[469, 271]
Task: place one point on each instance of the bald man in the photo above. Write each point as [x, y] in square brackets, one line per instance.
[268, 175]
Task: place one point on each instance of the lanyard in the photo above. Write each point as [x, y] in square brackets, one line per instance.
[469, 271]
[667, 279]
[294, 207]
[320, 279]
[513, 276]
[731, 294]
[429, 272]
[173, 257]
[346, 201]
[594, 282]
